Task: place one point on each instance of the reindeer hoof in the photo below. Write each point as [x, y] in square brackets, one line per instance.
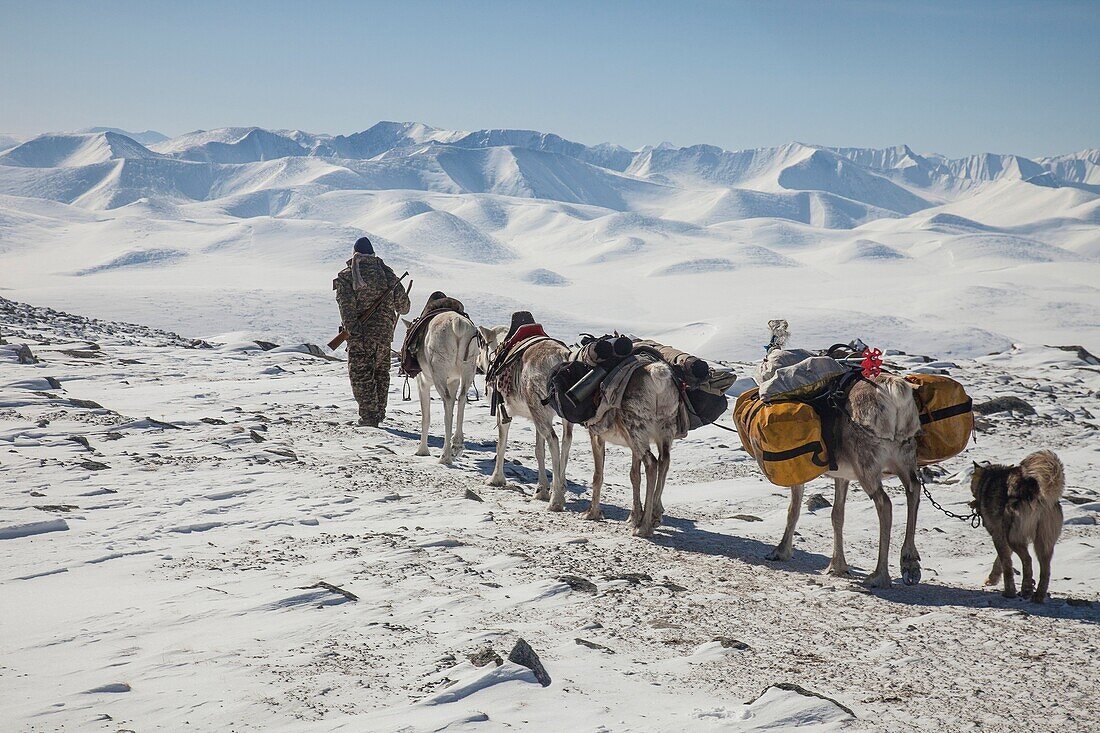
[495, 481]
[643, 532]
[910, 576]
[1027, 590]
[1038, 598]
[422, 451]
[594, 515]
[556, 506]
[1009, 593]
[991, 581]
[542, 494]
[878, 581]
[446, 460]
[838, 570]
[779, 555]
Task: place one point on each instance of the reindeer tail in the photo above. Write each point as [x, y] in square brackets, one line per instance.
[1046, 469]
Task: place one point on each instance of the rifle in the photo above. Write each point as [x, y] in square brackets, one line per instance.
[342, 336]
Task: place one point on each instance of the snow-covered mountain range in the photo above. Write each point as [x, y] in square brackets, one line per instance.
[904, 247]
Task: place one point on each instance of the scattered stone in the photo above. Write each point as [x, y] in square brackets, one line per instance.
[113, 687]
[266, 345]
[54, 507]
[674, 587]
[802, 691]
[80, 439]
[332, 588]
[162, 425]
[24, 355]
[83, 353]
[43, 423]
[112, 435]
[817, 501]
[576, 582]
[485, 655]
[523, 655]
[748, 517]
[284, 452]
[93, 465]
[256, 437]
[1006, 403]
[1082, 353]
[86, 404]
[1083, 519]
[37, 494]
[982, 425]
[472, 496]
[632, 578]
[213, 421]
[729, 642]
[1074, 499]
[593, 645]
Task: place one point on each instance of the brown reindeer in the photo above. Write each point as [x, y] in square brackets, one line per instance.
[878, 433]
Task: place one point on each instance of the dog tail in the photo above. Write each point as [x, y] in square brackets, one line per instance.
[1046, 469]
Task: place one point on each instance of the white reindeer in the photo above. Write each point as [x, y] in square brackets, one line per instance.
[448, 357]
[522, 389]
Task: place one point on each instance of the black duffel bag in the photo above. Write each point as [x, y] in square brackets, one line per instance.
[562, 378]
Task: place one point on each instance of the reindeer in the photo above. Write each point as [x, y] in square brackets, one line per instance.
[522, 391]
[448, 357]
[878, 434]
[649, 413]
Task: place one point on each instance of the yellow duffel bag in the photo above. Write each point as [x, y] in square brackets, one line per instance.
[784, 437]
[946, 417]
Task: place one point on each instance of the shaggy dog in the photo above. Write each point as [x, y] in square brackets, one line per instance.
[1018, 505]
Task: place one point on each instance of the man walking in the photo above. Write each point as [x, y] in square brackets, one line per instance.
[370, 297]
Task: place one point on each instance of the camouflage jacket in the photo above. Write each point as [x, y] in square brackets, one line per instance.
[379, 283]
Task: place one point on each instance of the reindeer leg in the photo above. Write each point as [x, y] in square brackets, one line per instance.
[557, 485]
[838, 565]
[598, 454]
[566, 444]
[636, 483]
[497, 479]
[910, 558]
[664, 461]
[645, 527]
[542, 492]
[459, 443]
[448, 425]
[425, 413]
[873, 486]
[783, 550]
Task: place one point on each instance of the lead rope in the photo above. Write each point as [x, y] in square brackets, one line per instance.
[974, 517]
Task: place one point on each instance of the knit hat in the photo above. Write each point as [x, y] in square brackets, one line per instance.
[363, 246]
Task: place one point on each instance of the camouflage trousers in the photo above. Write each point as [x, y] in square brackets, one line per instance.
[369, 369]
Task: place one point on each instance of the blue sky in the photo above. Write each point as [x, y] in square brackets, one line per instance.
[951, 77]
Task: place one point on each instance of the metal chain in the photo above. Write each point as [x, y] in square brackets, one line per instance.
[974, 517]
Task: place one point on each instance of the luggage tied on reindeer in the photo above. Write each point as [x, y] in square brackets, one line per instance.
[438, 303]
[589, 387]
[790, 422]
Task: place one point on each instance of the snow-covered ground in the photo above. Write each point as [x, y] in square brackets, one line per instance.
[167, 512]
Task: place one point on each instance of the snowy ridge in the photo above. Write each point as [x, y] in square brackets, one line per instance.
[247, 209]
